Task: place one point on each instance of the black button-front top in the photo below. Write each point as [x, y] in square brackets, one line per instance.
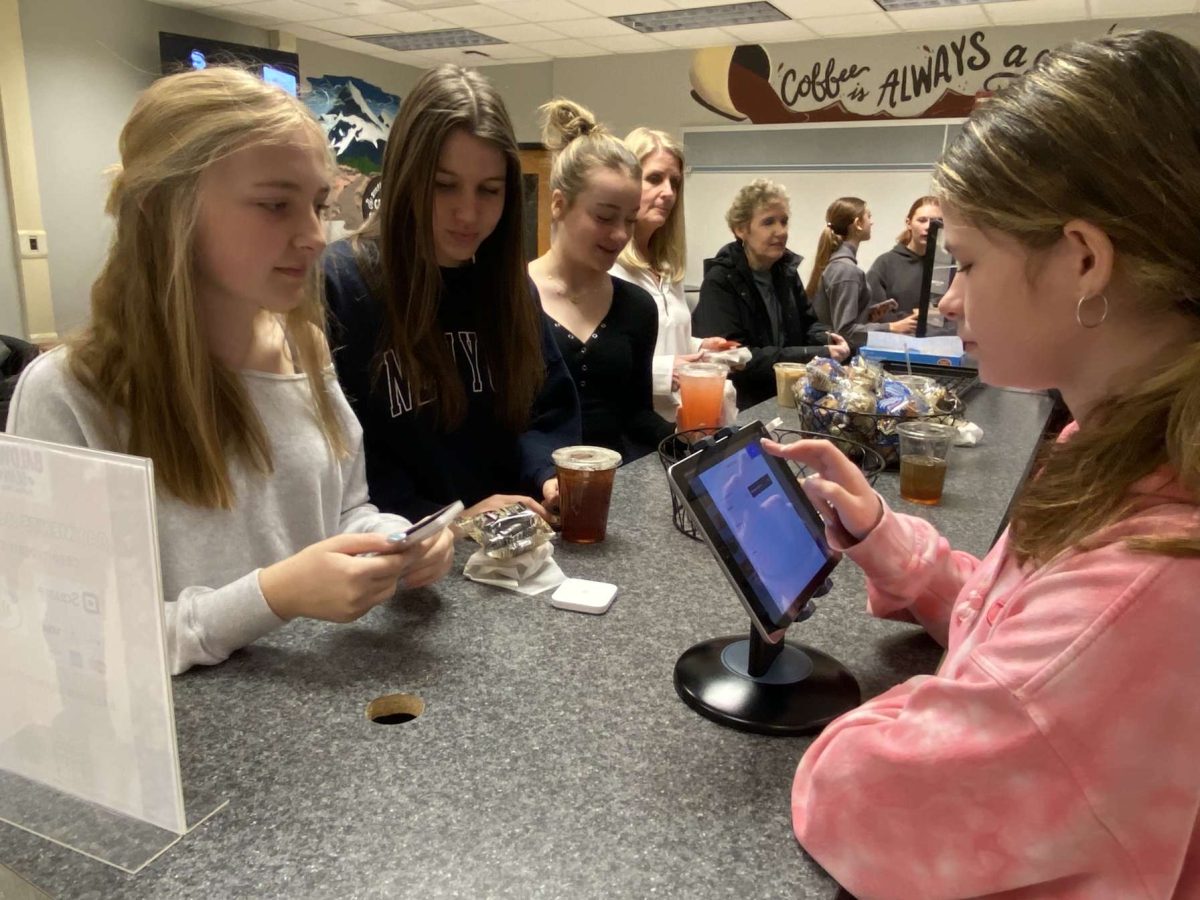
[612, 371]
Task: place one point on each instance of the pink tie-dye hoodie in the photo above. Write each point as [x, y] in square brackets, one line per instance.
[1056, 752]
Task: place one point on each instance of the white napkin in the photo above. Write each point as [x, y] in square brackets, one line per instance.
[731, 359]
[530, 573]
[969, 434]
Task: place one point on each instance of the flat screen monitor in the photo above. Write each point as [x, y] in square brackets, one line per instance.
[937, 271]
[180, 51]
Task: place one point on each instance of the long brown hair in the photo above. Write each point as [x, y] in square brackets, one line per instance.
[839, 219]
[906, 235]
[396, 251]
[144, 356]
[1089, 102]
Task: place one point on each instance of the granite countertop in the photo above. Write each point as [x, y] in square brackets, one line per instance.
[553, 758]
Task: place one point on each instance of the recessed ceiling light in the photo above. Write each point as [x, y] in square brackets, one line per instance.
[702, 17]
[431, 40]
[900, 5]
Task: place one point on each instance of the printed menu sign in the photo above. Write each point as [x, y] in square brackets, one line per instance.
[86, 707]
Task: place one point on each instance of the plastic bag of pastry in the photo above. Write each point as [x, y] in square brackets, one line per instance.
[824, 373]
[865, 374]
[508, 531]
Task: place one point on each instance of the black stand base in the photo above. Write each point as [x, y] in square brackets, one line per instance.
[795, 689]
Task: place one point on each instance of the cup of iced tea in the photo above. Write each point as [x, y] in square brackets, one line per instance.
[585, 482]
[701, 390]
[924, 449]
[786, 375]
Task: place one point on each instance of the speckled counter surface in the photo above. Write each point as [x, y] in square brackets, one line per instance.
[553, 759]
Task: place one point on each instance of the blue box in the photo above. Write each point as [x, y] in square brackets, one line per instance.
[875, 354]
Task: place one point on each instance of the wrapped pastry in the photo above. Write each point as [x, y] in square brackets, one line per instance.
[508, 531]
[825, 373]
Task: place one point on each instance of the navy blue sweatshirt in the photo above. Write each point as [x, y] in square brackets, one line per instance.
[414, 466]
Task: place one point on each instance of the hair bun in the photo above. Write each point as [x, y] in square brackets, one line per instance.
[565, 120]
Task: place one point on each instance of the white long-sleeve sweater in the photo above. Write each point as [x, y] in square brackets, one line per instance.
[211, 557]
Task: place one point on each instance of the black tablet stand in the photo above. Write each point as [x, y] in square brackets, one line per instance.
[753, 685]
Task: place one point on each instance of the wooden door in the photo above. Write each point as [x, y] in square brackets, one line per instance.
[535, 178]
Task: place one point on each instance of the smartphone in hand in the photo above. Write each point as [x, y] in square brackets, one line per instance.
[419, 531]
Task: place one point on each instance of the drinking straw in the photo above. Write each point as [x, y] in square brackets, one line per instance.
[907, 359]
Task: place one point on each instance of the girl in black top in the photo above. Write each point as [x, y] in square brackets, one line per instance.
[605, 327]
[440, 345]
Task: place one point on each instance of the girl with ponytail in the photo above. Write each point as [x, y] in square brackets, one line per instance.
[606, 327]
[838, 286]
[1065, 703]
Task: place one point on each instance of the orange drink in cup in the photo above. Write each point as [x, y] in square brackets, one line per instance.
[701, 390]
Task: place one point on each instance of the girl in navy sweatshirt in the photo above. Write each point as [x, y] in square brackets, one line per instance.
[439, 342]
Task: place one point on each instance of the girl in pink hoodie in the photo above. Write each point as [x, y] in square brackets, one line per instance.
[1056, 752]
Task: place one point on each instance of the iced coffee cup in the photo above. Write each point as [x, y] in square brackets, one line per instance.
[786, 375]
[924, 449]
[585, 482]
[701, 390]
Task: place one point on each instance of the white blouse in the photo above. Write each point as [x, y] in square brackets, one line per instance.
[674, 332]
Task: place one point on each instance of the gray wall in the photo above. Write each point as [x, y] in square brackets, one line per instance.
[86, 61]
[10, 306]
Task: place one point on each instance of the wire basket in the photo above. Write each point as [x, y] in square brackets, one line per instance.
[683, 444]
[874, 430]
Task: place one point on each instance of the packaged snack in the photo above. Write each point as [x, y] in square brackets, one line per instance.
[507, 532]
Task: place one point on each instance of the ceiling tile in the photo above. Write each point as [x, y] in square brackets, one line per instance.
[520, 33]
[546, 10]
[345, 26]
[1102, 9]
[872, 23]
[597, 27]
[1022, 12]
[946, 17]
[198, 4]
[770, 32]
[629, 43]
[407, 21]
[566, 48]
[696, 37]
[474, 15]
[813, 9]
[504, 52]
[309, 33]
[279, 10]
[624, 7]
[431, 4]
[357, 7]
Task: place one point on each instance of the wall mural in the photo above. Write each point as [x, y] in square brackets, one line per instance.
[942, 80]
[357, 117]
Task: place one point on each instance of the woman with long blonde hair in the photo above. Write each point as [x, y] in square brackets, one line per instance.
[206, 354]
[1053, 754]
[655, 259]
[897, 274]
[440, 344]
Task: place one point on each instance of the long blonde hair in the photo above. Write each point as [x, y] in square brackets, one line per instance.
[144, 356]
[839, 219]
[397, 253]
[668, 244]
[579, 145]
[1089, 102]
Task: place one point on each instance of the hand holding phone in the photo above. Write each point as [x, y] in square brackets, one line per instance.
[425, 528]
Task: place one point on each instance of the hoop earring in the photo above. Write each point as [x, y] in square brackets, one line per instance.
[1079, 310]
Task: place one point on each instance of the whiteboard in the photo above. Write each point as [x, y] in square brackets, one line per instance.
[888, 194]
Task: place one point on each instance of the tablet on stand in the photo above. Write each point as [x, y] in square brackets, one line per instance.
[770, 544]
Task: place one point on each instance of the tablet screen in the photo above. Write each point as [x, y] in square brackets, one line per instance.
[762, 529]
